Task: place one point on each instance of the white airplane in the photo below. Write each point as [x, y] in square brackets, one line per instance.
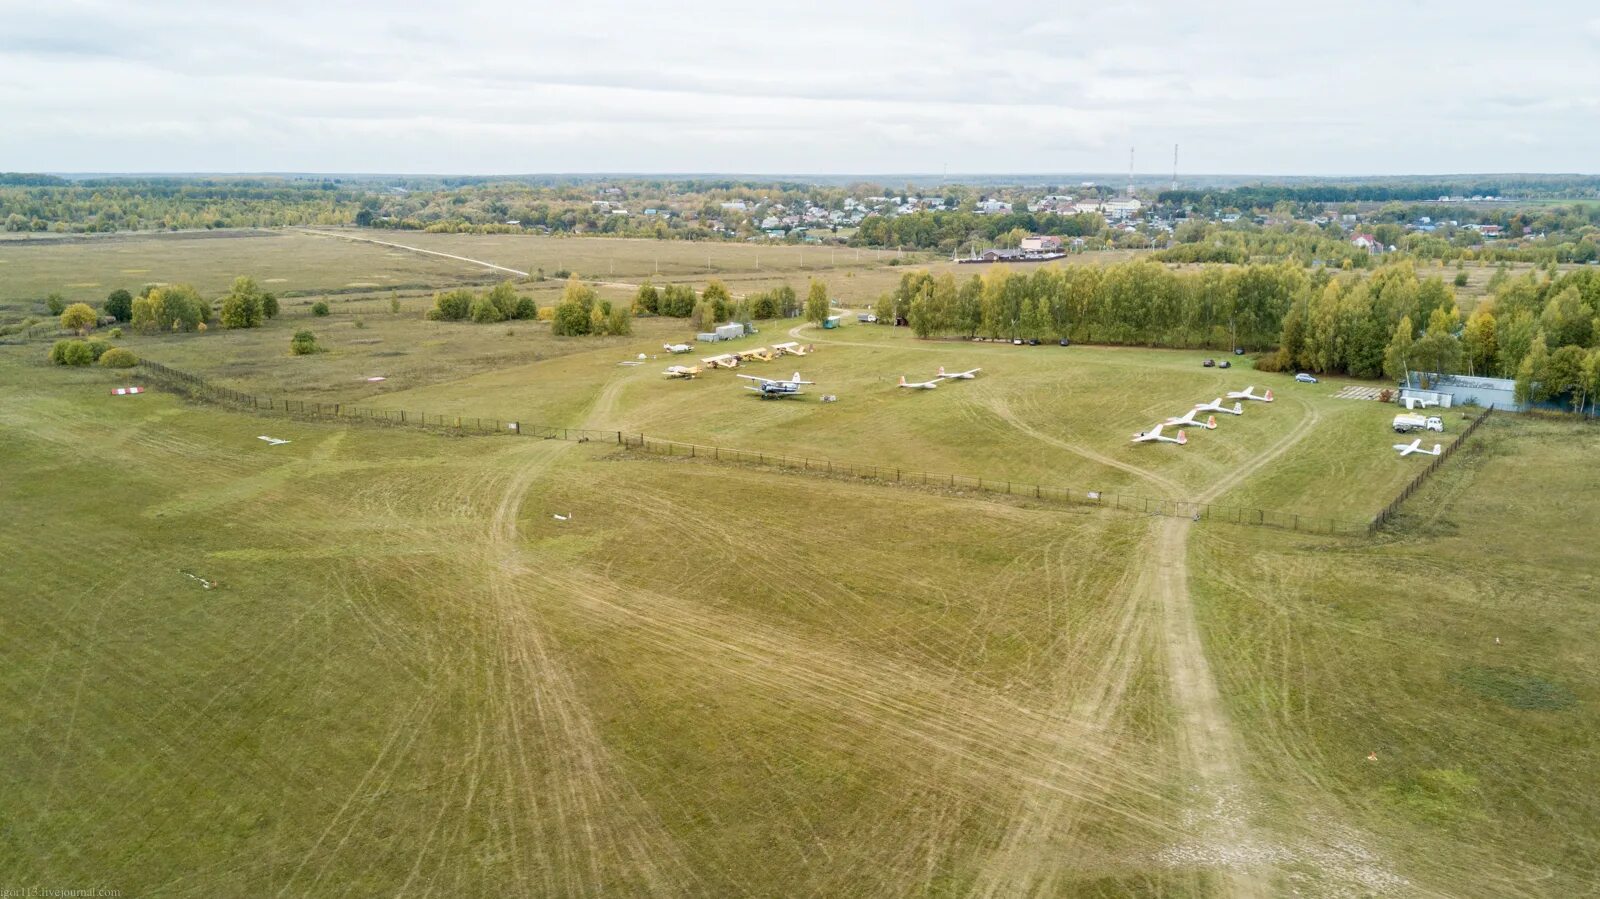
[919, 385]
[1216, 406]
[560, 517]
[770, 389]
[678, 347]
[1154, 436]
[1188, 418]
[958, 375]
[272, 441]
[1415, 446]
[1249, 394]
[682, 371]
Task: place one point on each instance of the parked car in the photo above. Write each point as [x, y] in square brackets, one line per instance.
[1066, 342]
[1033, 341]
[1305, 378]
[1238, 351]
[1016, 341]
[1224, 364]
[1209, 363]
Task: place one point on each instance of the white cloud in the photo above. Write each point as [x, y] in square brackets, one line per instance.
[500, 86]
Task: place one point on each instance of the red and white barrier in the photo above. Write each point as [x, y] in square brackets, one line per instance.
[127, 391]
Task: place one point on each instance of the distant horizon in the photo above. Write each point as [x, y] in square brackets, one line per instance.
[952, 177]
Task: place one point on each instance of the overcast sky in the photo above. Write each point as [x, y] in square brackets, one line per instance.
[1357, 87]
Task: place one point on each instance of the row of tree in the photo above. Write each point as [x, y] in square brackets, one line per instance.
[1137, 302]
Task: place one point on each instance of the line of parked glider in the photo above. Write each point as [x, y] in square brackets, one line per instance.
[1156, 435]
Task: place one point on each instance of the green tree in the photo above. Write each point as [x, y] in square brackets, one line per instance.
[1479, 343]
[320, 309]
[816, 303]
[503, 297]
[119, 305]
[763, 306]
[1530, 371]
[1438, 348]
[717, 296]
[304, 343]
[269, 305]
[79, 317]
[619, 321]
[571, 319]
[647, 301]
[1397, 355]
[451, 305]
[55, 304]
[485, 311]
[1564, 375]
[241, 306]
[1514, 335]
[788, 301]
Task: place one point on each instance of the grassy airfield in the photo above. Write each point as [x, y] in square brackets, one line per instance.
[410, 677]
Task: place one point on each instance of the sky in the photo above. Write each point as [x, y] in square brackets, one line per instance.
[1271, 88]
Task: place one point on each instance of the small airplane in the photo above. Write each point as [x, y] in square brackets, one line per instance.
[958, 375]
[770, 389]
[1154, 436]
[1188, 418]
[682, 371]
[678, 347]
[919, 385]
[1216, 406]
[559, 517]
[1415, 446]
[272, 441]
[1249, 394]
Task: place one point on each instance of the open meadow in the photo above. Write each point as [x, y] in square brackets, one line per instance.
[386, 660]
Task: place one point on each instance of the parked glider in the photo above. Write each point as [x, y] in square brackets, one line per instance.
[1188, 418]
[272, 441]
[678, 347]
[682, 371]
[771, 389]
[919, 385]
[1216, 406]
[1415, 446]
[958, 375]
[1154, 436]
[1249, 394]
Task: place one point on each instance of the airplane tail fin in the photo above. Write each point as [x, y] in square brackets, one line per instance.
[902, 380]
[796, 376]
[1437, 449]
[1182, 438]
[1211, 422]
[1268, 397]
[941, 371]
[1238, 408]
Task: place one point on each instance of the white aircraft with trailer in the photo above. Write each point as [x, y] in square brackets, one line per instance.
[1188, 418]
[919, 385]
[676, 348]
[958, 375]
[1249, 394]
[1216, 406]
[1154, 436]
[1415, 446]
[771, 389]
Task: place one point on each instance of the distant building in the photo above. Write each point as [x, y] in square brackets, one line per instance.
[1041, 243]
[1367, 242]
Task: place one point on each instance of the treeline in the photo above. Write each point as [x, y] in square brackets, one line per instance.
[1139, 302]
[945, 231]
[172, 203]
[1265, 196]
[1540, 329]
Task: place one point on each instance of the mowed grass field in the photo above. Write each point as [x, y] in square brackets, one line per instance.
[1437, 687]
[409, 676]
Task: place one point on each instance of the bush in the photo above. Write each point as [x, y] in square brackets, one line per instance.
[119, 305]
[269, 305]
[304, 343]
[527, 309]
[79, 317]
[117, 357]
[451, 306]
[55, 304]
[485, 311]
[571, 320]
[71, 352]
[561, 274]
[319, 308]
[116, 333]
[97, 347]
[1461, 279]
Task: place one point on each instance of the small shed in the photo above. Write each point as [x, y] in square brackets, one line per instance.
[707, 337]
[730, 331]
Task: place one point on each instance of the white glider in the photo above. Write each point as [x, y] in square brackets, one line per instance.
[1249, 394]
[678, 347]
[919, 385]
[1154, 436]
[958, 375]
[1216, 406]
[272, 441]
[1415, 446]
[1188, 418]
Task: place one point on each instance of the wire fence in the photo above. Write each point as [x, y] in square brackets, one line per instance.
[199, 388]
[1388, 512]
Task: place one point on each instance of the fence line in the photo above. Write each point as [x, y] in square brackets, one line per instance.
[199, 388]
[1389, 511]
